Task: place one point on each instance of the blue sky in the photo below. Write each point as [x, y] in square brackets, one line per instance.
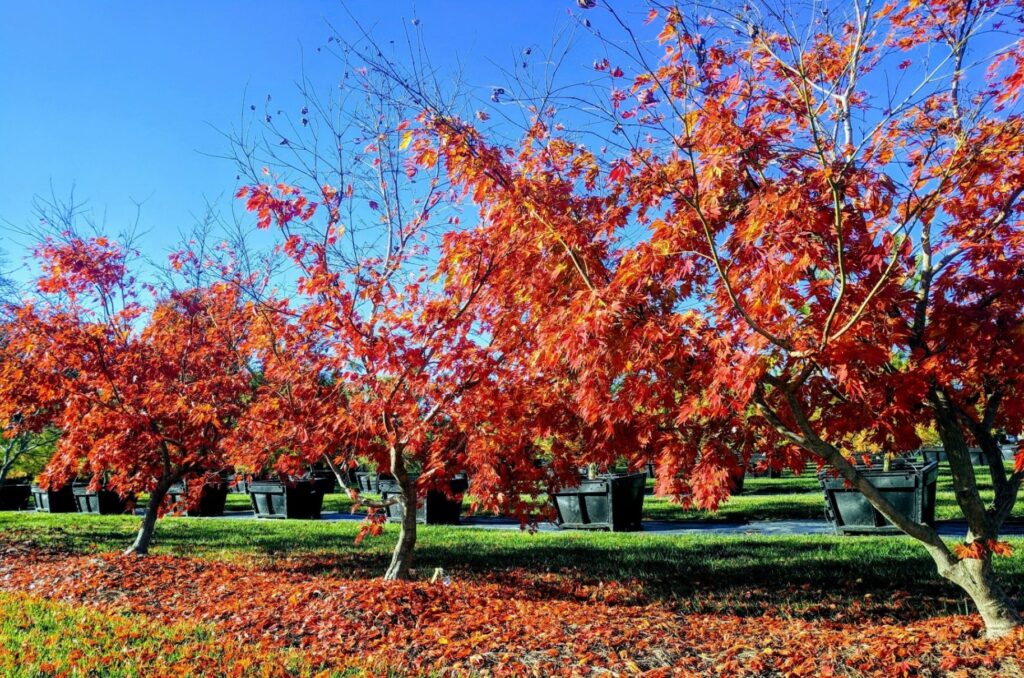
[124, 100]
[127, 101]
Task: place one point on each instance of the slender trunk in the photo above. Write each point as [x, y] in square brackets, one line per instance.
[1006, 485]
[401, 558]
[993, 455]
[145, 535]
[975, 576]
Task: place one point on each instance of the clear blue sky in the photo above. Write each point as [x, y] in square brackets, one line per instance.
[126, 100]
[122, 99]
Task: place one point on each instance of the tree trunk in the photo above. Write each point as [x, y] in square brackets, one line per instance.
[975, 576]
[401, 558]
[145, 535]
[972, 575]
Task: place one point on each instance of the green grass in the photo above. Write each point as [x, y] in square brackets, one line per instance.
[332, 502]
[790, 497]
[798, 497]
[46, 638]
[801, 577]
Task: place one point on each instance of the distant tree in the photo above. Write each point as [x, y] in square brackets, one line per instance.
[28, 407]
[8, 289]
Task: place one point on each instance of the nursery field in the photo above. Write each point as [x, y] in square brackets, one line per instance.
[303, 598]
[358, 356]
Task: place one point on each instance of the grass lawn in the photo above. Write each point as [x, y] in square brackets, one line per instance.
[794, 497]
[666, 566]
[39, 637]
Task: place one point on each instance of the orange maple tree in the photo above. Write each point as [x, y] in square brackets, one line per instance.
[150, 390]
[764, 251]
[28, 407]
[378, 354]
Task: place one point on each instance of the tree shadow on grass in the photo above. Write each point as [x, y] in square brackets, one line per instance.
[740, 509]
[807, 579]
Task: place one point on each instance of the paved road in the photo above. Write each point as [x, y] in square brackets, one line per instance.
[947, 528]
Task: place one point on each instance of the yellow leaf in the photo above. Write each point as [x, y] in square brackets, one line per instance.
[406, 140]
[690, 121]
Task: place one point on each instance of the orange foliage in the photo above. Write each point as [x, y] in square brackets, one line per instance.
[148, 390]
[980, 548]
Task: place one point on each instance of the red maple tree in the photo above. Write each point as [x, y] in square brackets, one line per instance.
[374, 354]
[780, 256]
[391, 349]
[151, 389]
[28, 407]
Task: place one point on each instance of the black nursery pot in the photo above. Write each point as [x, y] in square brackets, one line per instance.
[366, 481]
[54, 501]
[737, 479]
[211, 499]
[909, 486]
[933, 454]
[437, 508]
[326, 480]
[939, 454]
[14, 496]
[756, 462]
[610, 502]
[297, 500]
[104, 502]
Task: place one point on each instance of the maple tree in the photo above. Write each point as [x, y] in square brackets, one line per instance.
[775, 247]
[27, 408]
[150, 389]
[376, 356]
